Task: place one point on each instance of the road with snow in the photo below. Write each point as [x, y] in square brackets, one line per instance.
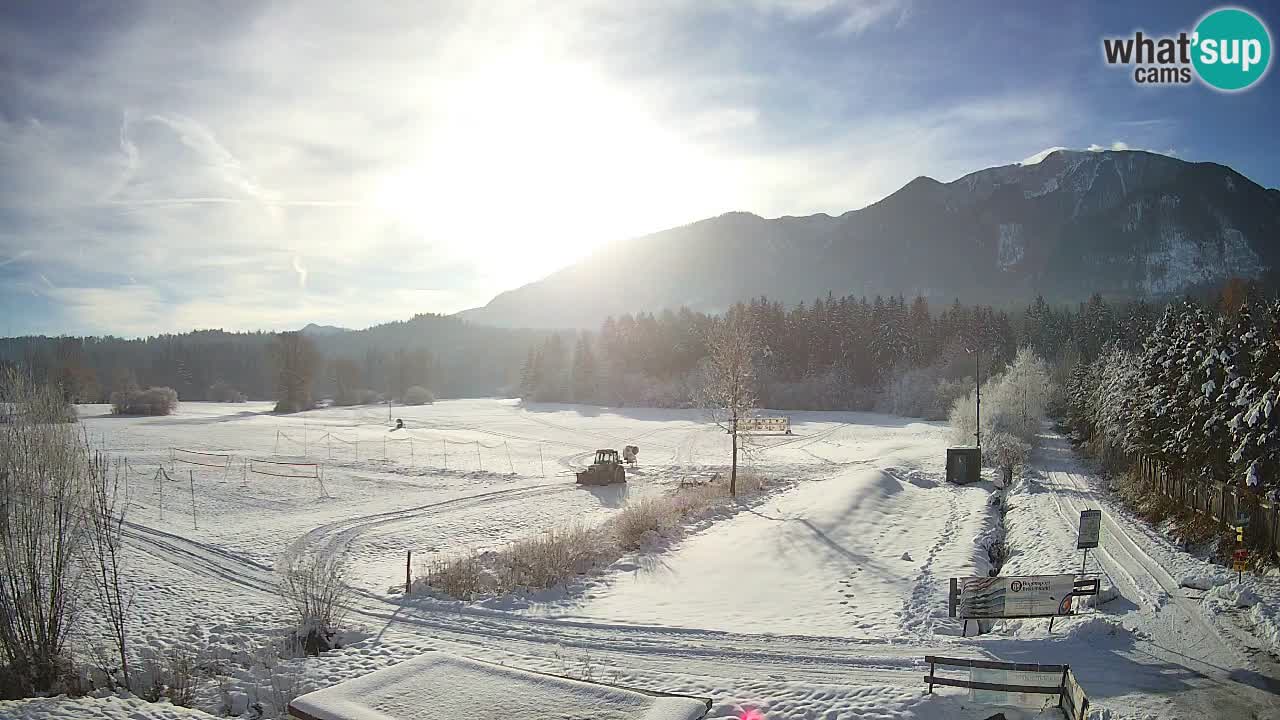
[819, 600]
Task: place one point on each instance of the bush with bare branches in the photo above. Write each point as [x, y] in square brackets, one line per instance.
[315, 586]
[47, 471]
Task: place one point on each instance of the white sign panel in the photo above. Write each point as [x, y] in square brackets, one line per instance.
[1015, 677]
[1011, 597]
[1090, 529]
[764, 424]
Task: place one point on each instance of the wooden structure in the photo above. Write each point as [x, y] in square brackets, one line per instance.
[1227, 505]
[1071, 696]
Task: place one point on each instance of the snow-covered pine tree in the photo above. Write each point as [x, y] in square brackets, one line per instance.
[1154, 423]
[1255, 428]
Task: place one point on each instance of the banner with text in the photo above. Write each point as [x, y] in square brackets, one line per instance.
[1015, 597]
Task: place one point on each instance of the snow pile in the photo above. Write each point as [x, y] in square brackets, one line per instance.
[1204, 581]
[439, 685]
[1232, 595]
[1257, 600]
[1096, 629]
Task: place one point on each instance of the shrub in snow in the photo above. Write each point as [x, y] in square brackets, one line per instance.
[152, 401]
[315, 587]
[643, 519]
[46, 536]
[418, 395]
[538, 562]
[554, 557]
[173, 677]
[223, 392]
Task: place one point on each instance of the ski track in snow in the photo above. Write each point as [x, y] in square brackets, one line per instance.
[869, 487]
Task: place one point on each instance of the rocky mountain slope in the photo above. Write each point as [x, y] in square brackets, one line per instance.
[1122, 223]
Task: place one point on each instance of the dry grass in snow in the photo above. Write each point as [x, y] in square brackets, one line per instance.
[558, 555]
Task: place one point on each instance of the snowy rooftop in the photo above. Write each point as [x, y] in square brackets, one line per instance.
[439, 685]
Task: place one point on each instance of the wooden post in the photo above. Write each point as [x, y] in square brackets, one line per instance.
[931, 670]
[160, 483]
[510, 464]
[411, 460]
[479, 462]
[275, 449]
[542, 463]
[408, 575]
[191, 477]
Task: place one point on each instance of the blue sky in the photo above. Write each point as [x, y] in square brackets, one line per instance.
[173, 165]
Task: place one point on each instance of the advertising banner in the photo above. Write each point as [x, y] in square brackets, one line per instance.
[1015, 597]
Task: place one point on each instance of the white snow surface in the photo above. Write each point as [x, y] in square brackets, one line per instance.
[795, 605]
[1154, 604]
[440, 685]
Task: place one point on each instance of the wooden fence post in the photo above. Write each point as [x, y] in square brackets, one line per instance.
[408, 575]
[191, 477]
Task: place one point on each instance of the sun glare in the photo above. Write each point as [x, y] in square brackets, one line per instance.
[538, 163]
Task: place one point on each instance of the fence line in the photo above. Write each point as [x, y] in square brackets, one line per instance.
[1221, 502]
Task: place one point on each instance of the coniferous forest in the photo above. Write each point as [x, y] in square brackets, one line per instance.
[1192, 383]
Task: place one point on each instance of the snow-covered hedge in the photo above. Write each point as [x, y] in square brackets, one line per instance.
[152, 401]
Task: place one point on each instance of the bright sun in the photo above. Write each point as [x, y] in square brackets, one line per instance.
[533, 164]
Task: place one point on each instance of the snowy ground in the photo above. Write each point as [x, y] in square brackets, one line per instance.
[818, 602]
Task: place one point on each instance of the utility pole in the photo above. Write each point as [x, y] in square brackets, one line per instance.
[977, 409]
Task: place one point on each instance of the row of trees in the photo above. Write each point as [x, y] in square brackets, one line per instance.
[449, 356]
[835, 353]
[1201, 394]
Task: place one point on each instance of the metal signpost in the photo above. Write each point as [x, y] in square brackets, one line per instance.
[1090, 533]
[1240, 558]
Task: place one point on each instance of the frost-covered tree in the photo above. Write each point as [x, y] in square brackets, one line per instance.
[1255, 427]
[728, 385]
[1013, 409]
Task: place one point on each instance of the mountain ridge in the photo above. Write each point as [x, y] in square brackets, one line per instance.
[1125, 223]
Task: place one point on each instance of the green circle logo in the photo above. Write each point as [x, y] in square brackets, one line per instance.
[1231, 49]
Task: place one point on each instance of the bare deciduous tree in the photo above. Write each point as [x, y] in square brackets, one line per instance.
[106, 554]
[728, 381]
[44, 472]
[297, 361]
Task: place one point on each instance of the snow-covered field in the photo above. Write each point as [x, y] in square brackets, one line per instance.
[818, 600]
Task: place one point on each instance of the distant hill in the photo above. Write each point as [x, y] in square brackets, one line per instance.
[1120, 223]
[320, 330]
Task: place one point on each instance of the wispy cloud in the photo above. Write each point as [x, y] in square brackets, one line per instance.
[399, 158]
